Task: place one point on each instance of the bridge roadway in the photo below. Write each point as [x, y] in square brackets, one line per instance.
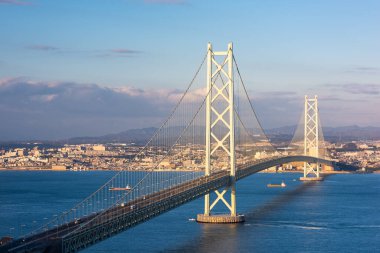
[84, 232]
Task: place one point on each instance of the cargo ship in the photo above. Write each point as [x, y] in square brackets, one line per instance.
[282, 185]
[127, 188]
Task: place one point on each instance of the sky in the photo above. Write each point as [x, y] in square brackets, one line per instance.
[93, 67]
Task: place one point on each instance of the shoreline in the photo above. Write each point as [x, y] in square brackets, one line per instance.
[301, 171]
[166, 170]
[49, 169]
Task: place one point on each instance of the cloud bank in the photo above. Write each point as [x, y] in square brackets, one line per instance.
[164, 1]
[102, 53]
[57, 110]
[42, 48]
[50, 110]
[15, 2]
[355, 88]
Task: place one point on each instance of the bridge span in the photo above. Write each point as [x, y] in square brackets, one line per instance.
[215, 129]
[84, 232]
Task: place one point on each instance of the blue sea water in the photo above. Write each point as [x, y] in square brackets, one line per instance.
[340, 214]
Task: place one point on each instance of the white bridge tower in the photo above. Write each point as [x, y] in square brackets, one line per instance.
[220, 114]
[311, 139]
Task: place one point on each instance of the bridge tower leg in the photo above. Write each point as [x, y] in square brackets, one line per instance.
[220, 114]
[311, 139]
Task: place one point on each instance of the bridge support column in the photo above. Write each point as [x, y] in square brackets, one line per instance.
[220, 113]
[311, 139]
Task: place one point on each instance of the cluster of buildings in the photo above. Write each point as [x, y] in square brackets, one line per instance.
[181, 157]
[361, 154]
[68, 157]
[22, 158]
[122, 156]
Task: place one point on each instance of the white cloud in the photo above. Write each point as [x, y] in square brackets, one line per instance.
[52, 110]
[72, 109]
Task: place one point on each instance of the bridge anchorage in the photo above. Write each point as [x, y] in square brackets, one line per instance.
[220, 114]
[311, 140]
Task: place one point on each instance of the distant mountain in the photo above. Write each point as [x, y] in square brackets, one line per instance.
[345, 133]
[281, 134]
[352, 132]
[285, 130]
[141, 136]
[138, 136]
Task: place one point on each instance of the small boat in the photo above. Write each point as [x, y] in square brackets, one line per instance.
[127, 188]
[282, 185]
[191, 219]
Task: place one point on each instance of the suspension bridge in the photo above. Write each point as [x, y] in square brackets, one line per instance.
[211, 139]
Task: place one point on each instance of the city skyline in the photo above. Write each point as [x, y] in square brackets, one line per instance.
[82, 68]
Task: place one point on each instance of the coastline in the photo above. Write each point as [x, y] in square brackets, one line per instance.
[50, 169]
[301, 171]
[167, 170]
